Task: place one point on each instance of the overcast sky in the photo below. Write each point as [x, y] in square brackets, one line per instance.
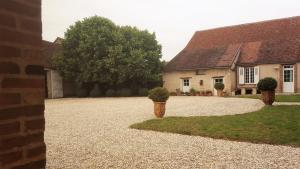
[173, 21]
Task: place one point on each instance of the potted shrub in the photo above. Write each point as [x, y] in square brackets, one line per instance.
[219, 87]
[193, 92]
[267, 87]
[159, 96]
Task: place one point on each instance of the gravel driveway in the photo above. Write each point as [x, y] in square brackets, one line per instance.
[94, 133]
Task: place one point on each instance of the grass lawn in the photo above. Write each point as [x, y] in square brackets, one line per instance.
[279, 98]
[279, 125]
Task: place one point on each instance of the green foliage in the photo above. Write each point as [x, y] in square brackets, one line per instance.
[81, 92]
[96, 92]
[271, 125]
[159, 94]
[219, 86]
[143, 92]
[96, 50]
[267, 84]
[124, 92]
[110, 93]
[193, 91]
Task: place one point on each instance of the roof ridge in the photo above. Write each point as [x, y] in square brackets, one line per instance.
[247, 24]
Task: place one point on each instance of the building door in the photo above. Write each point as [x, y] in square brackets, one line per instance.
[217, 80]
[186, 85]
[288, 79]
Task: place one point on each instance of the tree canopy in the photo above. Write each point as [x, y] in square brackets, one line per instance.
[95, 50]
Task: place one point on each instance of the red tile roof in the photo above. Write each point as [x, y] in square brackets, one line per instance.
[49, 48]
[274, 41]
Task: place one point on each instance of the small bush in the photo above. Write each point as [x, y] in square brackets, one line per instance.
[267, 84]
[110, 93]
[219, 86]
[193, 91]
[159, 94]
[143, 92]
[124, 92]
[96, 92]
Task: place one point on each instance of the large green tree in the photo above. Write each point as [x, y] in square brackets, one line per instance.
[96, 50]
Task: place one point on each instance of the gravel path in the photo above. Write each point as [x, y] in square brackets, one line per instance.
[94, 133]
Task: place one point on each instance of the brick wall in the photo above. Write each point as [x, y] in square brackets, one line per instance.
[22, 120]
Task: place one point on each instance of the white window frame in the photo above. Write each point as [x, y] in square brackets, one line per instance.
[249, 75]
[186, 82]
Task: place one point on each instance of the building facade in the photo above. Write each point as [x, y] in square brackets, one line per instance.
[239, 56]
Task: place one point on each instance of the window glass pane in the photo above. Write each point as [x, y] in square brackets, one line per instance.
[218, 80]
[249, 75]
[252, 75]
[186, 82]
[288, 76]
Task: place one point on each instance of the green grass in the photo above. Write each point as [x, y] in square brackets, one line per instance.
[278, 98]
[278, 125]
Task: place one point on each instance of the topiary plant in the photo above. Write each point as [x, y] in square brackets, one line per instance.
[267, 84]
[110, 93]
[143, 92]
[219, 86]
[124, 92]
[159, 94]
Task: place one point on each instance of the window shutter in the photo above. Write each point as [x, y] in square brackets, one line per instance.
[241, 75]
[256, 74]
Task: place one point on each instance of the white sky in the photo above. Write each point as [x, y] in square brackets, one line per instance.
[173, 21]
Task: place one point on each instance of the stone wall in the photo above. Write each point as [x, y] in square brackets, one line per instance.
[22, 121]
[173, 80]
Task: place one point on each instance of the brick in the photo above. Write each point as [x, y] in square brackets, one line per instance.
[33, 165]
[10, 128]
[33, 98]
[10, 157]
[10, 99]
[9, 68]
[23, 83]
[7, 20]
[20, 141]
[35, 70]
[36, 151]
[36, 124]
[20, 38]
[31, 25]
[7, 51]
[36, 2]
[27, 111]
[20, 8]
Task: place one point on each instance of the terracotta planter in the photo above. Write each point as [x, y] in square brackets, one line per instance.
[268, 97]
[159, 109]
[220, 93]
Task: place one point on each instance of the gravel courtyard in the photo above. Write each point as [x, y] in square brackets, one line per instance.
[94, 133]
